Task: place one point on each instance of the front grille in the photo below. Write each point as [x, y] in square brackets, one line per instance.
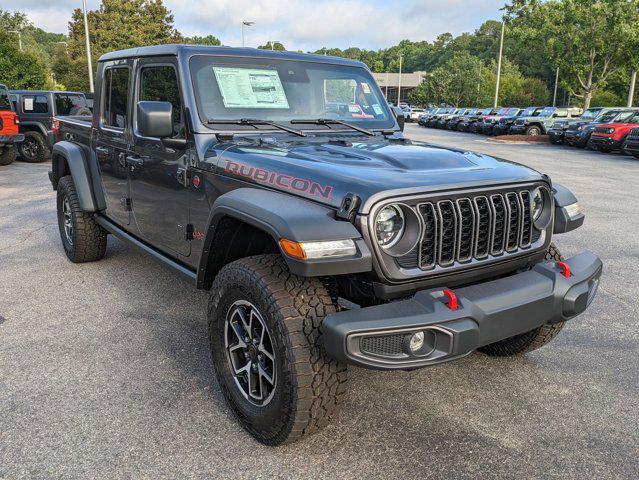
[472, 227]
[519, 122]
[634, 135]
[602, 130]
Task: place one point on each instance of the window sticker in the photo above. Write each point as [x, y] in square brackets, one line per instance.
[378, 110]
[366, 88]
[250, 88]
[28, 104]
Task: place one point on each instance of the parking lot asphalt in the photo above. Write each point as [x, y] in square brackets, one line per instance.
[105, 370]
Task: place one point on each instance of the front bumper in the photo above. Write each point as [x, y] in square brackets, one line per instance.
[557, 135]
[606, 143]
[11, 139]
[631, 147]
[377, 337]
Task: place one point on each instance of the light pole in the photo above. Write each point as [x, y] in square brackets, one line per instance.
[633, 84]
[501, 51]
[19, 34]
[245, 24]
[88, 43]
[554, 96]
[386, 86]
[399, 80]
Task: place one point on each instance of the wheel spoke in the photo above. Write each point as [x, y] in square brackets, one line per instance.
[246, 368]
[268, 355]
[265, 375]
[237, 331]
[245, 323]
[255, 386]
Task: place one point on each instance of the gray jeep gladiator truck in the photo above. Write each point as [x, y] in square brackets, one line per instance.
[282, 183]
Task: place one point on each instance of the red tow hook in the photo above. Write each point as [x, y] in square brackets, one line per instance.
[452, 302]
[565, 268]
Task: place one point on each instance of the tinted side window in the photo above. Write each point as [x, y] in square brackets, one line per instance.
[116, 93]
[34, 104]
[160, 84]
[5, 104]
[69, 104]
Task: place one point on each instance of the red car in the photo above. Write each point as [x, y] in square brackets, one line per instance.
[9, 122]
[611, 136]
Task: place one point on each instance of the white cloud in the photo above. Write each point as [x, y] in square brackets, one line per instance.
[299, 24]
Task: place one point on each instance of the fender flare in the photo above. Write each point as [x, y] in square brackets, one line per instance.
[75, 160]
[286, 216]
[38, 126]
[563, 221]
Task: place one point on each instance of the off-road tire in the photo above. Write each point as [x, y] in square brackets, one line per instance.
[533, 130]
[89, 238]
[309, 385]
[34, 148]
[532, 340]
[7, 155]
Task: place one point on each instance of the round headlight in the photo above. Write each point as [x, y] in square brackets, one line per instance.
[537, 204]
[389, 226]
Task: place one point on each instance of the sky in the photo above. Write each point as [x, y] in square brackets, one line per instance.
[298, 24]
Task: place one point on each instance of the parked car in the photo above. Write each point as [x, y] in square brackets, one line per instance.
[465, 124]
[539, 124]
[611, 137]
[476, 125]
[37, 110]
[631, 145]
[502, 127]
[415, 113]
[488, 125]
[453, 120]
[10, 135]
[443, 119]
[433, 120]
[316, 255]
[558, 129]
[425, 118]
[578, 133]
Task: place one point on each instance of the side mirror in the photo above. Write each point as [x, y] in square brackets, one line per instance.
[399, 116]
[155, 119]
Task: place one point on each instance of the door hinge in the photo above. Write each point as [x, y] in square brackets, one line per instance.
[189, 231]
[126, 204]
[349, 207]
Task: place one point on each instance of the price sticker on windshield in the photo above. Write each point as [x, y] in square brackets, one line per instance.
[250, 88]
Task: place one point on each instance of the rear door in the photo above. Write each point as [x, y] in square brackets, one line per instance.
[159, 186]
[112, 137]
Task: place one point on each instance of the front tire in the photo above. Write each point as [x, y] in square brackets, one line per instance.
[7, 155]
[533, 131]
[307, 385]
[83, 239]
[532, 340]
[34, 148]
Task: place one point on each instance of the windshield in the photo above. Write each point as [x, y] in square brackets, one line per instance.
[70, 104]
[530, 112]
[591, 113]
[282, 90]
[547, 112]
[5, 103]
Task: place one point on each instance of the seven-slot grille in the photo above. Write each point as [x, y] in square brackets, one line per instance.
[603, 130]
[634, 135]
[472, 227]
[520, 122]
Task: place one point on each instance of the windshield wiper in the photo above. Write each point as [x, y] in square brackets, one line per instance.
[254, 122]
[332, 121]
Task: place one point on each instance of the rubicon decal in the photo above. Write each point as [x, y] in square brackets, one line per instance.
[283, 180]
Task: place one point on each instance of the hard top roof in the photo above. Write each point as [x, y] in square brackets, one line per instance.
[181, 49]
[40, 92]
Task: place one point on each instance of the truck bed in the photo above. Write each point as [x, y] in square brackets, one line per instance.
[74, 128]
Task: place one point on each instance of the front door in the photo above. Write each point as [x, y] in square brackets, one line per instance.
[159, 189]
[111, 139]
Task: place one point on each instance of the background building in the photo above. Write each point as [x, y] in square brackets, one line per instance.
[389, 82]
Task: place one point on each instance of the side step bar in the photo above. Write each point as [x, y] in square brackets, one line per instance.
[159, 256]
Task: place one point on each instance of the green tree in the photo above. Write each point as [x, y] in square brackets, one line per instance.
[21, 70]
[208, 40]
[586, 39]
[272, 46]
[116, 25]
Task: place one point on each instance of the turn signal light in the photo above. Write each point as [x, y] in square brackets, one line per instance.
[294, 249]
[316, 250]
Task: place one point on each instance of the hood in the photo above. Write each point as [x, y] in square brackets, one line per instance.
[327, 171]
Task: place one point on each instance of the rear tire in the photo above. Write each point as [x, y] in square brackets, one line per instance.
[83, 239]
[7, 155]
[307, 385]
[34, 148]
[532, 340]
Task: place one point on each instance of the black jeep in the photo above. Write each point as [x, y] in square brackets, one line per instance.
[282, 183]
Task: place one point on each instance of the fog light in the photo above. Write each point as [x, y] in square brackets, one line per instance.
[416, 342]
